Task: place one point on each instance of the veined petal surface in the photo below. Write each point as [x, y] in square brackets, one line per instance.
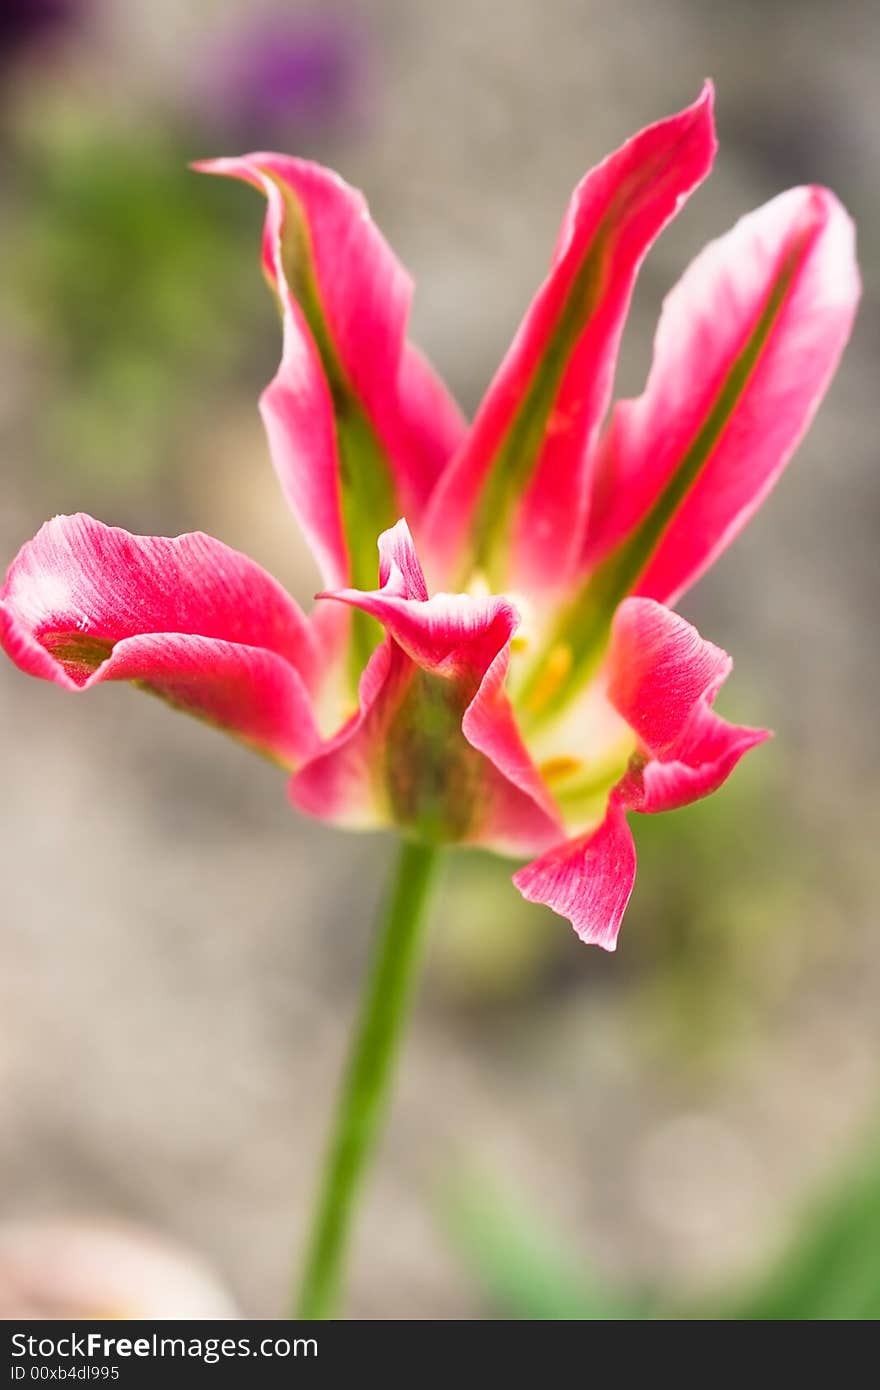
[588, 880]
[187, 618]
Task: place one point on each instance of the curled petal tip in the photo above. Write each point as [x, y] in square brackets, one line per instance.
[664, 678]
[224, 165]
[589, 880]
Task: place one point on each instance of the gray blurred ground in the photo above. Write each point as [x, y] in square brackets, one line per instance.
[180, 954]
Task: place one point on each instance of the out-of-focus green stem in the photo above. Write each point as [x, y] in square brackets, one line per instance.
[365, 1086]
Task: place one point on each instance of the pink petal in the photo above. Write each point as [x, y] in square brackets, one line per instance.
[434, 734]
[297, 413]
[187, 618]
[400, 572]
[747, 344]
[588, 880]
[660, 668]
[343, 783]
[663, 678]
[522, 476]
[490, 725]
[348, 380]
[703, 761]
[452, 634]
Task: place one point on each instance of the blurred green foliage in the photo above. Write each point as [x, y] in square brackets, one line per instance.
[717, 930]
[525, 1271]
[128, 274]
[829, 1272]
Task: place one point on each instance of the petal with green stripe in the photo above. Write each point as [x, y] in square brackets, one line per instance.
[747, 344]
[513, 503]
[358, 425]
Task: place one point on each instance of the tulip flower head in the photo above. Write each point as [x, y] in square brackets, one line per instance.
[512, 674]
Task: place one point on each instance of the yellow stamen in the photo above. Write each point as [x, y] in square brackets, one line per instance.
[555, 769]
[554, 672]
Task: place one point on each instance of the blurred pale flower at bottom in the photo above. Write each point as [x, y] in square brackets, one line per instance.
[66, 1269]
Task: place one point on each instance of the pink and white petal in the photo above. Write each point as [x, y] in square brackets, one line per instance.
[520, 482]
[297, 413]
[342, 289]
[747, 344]
[248, 692]
[80, 577]
[490, 726]
[366, 294]
[588, 880]
[705, 760]
[187, 617]
[296, 407]
[400, 571]
[659, 669]
[450, 634]
[662, 678]
[342, 783]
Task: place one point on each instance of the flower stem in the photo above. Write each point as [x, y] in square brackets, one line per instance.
[365, 1086]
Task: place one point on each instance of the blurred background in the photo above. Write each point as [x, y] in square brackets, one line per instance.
[180, 954]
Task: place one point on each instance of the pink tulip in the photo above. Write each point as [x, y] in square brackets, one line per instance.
[551, 692]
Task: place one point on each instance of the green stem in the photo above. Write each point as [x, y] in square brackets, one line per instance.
[364, 1093]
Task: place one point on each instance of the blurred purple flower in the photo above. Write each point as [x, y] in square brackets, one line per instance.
[278, 75]
[27, 24]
